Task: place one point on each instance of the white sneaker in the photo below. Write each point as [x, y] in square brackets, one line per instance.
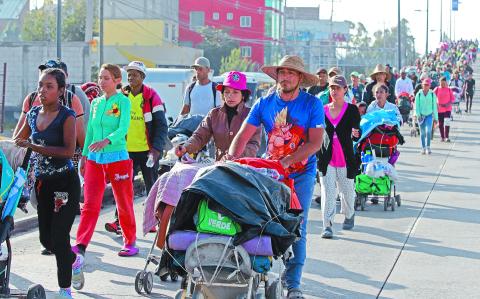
[78, 280]
[429, 151]
[423, 151]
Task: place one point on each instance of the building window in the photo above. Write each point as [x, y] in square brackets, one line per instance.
[246, 51]
[229, 16]
[197, 19]
[216, 16]
[174, 33]
[166, 31]
[245, 21]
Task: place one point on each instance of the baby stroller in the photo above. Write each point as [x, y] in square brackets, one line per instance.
[405, 107]
[158, 208]
[11, 191]
[228, 225]
[378, 152]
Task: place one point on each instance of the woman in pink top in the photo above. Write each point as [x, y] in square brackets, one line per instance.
[337, 162]
[445, 98]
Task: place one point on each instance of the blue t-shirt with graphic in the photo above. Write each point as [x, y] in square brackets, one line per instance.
[287, 124]
[45, 166]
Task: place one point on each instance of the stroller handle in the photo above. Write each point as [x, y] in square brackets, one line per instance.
[26, 159]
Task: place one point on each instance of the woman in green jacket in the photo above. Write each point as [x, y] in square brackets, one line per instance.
[426, 113]
[105, 156]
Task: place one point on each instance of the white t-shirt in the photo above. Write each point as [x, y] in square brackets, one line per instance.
[403, 85]
[201, 99]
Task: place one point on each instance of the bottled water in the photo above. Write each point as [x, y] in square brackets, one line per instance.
[150, 161]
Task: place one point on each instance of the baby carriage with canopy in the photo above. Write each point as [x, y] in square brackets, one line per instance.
[227, 227]
[378, 152]
[11, 197]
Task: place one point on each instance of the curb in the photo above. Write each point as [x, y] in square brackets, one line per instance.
[29, 223]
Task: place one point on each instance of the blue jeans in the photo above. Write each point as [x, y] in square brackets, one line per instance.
[304, 187]
[426, 131]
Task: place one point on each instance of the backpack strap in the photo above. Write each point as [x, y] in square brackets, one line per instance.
[214, 90]
[189, 92]
[31, 98]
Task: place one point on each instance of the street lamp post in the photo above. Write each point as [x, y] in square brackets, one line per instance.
[441, 19]
[426, 39]
[399, 50]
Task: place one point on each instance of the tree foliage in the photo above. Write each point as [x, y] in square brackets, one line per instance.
[40, 24]
[217, 43]
[367, 50]
[234, 62]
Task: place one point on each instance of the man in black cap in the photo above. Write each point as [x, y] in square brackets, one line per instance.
[322, 85]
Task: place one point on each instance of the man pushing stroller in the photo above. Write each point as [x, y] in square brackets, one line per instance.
[294, 121]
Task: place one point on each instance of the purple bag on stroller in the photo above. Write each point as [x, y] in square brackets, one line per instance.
[394, 157]
[180, 240]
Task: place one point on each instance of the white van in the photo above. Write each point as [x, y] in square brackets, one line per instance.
[170, 84]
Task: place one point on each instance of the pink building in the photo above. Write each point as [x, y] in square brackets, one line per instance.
[256, 24]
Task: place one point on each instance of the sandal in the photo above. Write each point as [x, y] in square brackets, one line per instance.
[128, 250]
[295, 294]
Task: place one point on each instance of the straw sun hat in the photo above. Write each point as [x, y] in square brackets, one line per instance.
[295, 63]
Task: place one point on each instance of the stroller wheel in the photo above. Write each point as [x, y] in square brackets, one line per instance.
[139, 281]
[398, 200]
[274, 290]
[363, 199]
[36, 291]
[173, 276]
[148, 282]
[164, 277]
[392, 203]
[385, 203]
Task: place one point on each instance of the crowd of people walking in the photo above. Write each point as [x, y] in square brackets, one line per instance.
[310, 121]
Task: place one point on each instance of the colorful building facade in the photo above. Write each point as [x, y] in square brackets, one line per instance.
[257, 25]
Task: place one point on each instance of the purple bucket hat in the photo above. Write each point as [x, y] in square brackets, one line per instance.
[235, 80]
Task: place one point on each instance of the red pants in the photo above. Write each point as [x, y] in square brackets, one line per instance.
[120, 176]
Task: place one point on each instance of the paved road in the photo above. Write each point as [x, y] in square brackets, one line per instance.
[427, 248]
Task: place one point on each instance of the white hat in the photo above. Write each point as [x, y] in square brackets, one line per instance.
[136, 65]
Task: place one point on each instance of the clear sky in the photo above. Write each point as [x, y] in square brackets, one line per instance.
[375, 14]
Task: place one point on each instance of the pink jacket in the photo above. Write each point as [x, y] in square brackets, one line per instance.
[445, 98]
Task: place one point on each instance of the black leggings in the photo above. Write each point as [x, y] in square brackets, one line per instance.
[55, 220]
[468, 102]
[444, 130]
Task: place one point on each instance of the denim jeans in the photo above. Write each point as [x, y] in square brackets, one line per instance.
[426, 131]
[304, 185]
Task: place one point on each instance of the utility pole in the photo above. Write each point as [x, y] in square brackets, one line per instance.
[59, 29]
[441, 20]
[450, 26]
[399, 37]
[101, 33]
[330, 38]
[88, 39]
[426, 39]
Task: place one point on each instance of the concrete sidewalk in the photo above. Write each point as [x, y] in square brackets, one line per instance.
[428, 248]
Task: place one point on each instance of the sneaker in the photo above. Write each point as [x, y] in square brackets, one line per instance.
[295, 294]
[423, 151]
[374, 201]
[64, 294]
[429, 151]
[128, 250]
[349, 223]
[78, 280]
[45, 251]
[327, 233]
[447, 139]
[113, 227]
[442, 140]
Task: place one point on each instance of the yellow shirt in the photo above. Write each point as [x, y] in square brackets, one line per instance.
[137, 136]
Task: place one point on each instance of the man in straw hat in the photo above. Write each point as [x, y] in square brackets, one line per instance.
[294, 121]
[379, 76]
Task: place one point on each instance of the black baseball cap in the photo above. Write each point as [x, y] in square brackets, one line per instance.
[53, 64]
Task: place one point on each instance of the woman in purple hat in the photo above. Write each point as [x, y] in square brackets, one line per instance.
[222, 123]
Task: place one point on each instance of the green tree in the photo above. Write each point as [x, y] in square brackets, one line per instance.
[234, 62]
[216, 44]
[40, 24]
